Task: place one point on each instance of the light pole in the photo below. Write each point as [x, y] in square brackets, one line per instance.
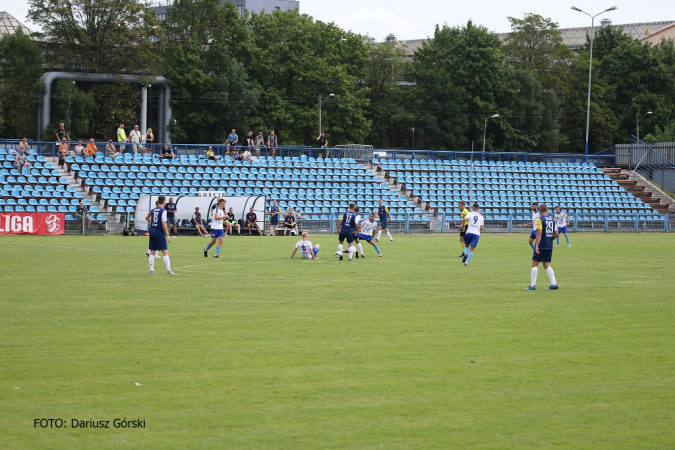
[485, 128]
[412, 146]
[639, 119]
[590, 70]
[321, 102]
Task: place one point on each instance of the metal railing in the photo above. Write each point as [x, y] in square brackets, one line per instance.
[98, 223]
[652, 165]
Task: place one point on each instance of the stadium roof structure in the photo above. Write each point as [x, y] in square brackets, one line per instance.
[9, 25]
[575, 38]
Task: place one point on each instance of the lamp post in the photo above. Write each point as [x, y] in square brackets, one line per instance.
[590, 70]
[485, 128]
[321, 102]
[639, 119]
[412, 146]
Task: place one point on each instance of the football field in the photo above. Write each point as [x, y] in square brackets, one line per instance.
[409, 351]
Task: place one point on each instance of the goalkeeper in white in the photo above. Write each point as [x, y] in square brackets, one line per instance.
[307, 249]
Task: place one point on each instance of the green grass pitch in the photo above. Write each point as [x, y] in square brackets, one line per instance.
[410, 351]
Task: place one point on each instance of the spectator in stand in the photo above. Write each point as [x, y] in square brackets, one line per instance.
[136, 138]
[64, 149]
[90, 150]
[198, 223]
[121, 137]
[247, 155]
[259, 144]
[232, 223]
[111, 150]
[21, 158]
[250, 141]
[252, 222]
[171, 211]
[167, 153]
[23, 145]
[83, 211]
[62, 134]
[149, 139]
[210, 154]
[79, 148]
[236, 155]
[232, 140]
[323, 143]
[289, 222]
[272, 143]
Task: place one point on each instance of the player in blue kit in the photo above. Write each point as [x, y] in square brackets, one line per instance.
[475, 226]
[159, 235]
[171, 216]
[274, 217]
[535, 216]
[383, 213]
[562, 222]
[543, 249]
[217, 229]
[346, 228]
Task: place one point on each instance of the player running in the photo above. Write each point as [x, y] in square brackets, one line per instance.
[383, 212]
[307, 249]
[462, 226]
[472, 235]
[159, 235]
[217, 231]
[535, 216]
[562, 221]
[346, 228]
[543, 249]
[366, 230]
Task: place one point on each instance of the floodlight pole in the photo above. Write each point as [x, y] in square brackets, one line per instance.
[321, 102]
[485, 128]
[638, 120]
[590, 70]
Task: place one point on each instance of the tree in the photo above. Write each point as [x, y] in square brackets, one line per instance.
[20, 69]
[74, 107]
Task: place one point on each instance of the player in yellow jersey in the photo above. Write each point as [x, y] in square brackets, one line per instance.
[462, 226]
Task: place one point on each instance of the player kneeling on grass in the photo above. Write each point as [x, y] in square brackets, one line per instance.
[543, 249]
[217, 231]
[472, 235]
[307, 249]
[366, 230]
[159, 235]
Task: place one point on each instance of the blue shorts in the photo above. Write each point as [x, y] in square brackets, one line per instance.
[533, 235]
[543, 256]
[348, 236]
[383, 223]
[365, 237]
[471, 240]
[157, 243]
[217, 234]
[562, 230]
[274, 220]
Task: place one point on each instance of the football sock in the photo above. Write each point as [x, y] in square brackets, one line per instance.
[167, 262]
[533, 276]
[557, 240]
[351, 251]
[360, 248]
[567, 238]
[532, 245]
[151, 261]
[465, 250]
[340, 248]
[379, 233]
[217, 250]
[551, 275]
[389, 234]
[208, 247]
[469, 256]
[377, 249]
[462, 246]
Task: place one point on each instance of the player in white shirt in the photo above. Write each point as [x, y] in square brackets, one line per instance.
[307, 249]
[473, 229]
[366, 232]
[217, 228]
[535, 216]
[562, 222]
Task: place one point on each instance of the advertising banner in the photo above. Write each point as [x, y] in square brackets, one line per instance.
[31, 223]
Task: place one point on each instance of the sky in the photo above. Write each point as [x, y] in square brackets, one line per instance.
[417, 19]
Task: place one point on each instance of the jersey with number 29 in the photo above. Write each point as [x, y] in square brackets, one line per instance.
[547, 226]
[475, 222]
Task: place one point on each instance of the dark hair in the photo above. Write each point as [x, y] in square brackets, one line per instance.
[462, 203]
[356, 209]
[121, 123]
[535, 203]
[543, 207]
[161, 199]
[475, 206]
[352, 206]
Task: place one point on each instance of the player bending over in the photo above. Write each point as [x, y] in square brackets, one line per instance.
[562, 222]
[463, 224]
[307, 249]
[346, 228]
[543, 249]
[383, 212]
[366, 230]
[535, 216]
[217, 231]
[472, 235]
[159, 235]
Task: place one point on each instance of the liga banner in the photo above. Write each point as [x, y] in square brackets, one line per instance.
[31, 223]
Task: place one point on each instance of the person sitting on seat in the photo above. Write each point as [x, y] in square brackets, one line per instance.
[252, 223]
[64, 148]
[289, 223]
[198, 223]
[211, 155]
[90, 149]
[232, 223]
[111, 150]
[167, 153]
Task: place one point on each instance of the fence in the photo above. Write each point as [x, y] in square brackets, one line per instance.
[98, 223]
[427, 223]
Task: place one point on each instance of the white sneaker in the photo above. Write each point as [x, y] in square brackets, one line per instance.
[152, 273]
[557, 245]
[168, 272]
[569, 245]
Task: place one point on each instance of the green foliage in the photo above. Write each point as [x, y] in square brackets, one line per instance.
[20, 69]
[115, 103]
[73, 107]
[665, 134]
